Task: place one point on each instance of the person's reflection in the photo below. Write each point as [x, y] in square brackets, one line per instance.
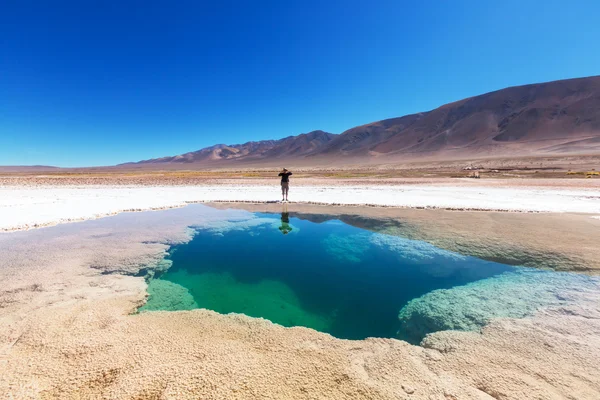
[285, 227]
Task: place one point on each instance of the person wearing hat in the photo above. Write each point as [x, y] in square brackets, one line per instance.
[285, 183]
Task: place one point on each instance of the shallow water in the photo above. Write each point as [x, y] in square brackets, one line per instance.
[315, 271]
[328, 276]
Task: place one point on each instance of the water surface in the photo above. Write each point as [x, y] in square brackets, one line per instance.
[328, 276]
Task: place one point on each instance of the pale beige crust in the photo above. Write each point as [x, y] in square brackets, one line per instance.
[334, 178]
[66, 333]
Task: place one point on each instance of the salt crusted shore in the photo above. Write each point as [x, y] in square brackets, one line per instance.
[30, 207]
[69, 292]
[67, 331]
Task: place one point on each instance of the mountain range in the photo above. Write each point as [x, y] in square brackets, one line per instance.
[552, 118]
[302, 145]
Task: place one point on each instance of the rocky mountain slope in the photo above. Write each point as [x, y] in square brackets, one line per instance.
[290, 147]
[553, 118]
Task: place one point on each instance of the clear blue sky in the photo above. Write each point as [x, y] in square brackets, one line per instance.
[102, 82]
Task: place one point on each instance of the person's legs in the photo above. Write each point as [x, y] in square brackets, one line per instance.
[285, 186]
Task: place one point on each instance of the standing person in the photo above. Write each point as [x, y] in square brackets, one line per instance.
[285, 184]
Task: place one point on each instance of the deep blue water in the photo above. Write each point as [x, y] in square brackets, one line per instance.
[329, 276]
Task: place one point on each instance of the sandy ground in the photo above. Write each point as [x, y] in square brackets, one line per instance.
[308, 178]
[66, 332]
[24, 207]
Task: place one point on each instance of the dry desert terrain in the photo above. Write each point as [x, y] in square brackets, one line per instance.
[68, 322]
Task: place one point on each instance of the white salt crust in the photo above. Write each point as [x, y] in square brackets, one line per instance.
[25, 208]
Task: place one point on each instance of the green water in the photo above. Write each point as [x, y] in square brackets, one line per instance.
[328, 276]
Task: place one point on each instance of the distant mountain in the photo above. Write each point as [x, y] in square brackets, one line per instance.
[26, 168]
[553, 118]
[545, 118]
[291, 147]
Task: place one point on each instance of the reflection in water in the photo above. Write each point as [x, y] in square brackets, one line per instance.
[329, 276]
[285, 227]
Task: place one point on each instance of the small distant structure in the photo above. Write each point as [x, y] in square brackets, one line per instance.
[587, 174]
[474, 174]
[472, 167]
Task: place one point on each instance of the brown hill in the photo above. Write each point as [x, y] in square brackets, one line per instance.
[546, 118]
[266, 150]
[26, 168]
[553, 118]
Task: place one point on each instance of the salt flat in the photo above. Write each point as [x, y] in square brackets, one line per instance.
[69, 292]
[68, 330]
[23, 207]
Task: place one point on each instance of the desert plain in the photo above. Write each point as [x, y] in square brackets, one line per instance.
[73, 281]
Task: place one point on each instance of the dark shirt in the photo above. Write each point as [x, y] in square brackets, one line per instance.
[285, 176]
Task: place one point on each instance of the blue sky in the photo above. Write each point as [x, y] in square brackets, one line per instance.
[102, 82]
